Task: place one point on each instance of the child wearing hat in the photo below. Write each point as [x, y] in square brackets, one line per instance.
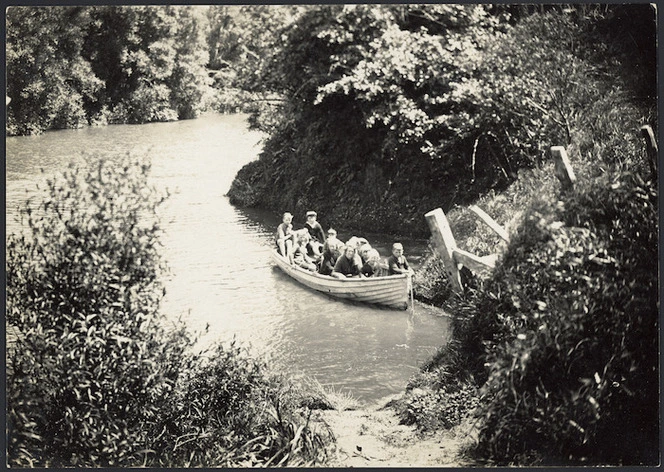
[331, 239]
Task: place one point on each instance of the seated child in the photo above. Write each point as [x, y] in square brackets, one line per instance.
[363, 250]
[300, 253]
[284, 236]
[374, 267]
[347, 265]
[397, 263]
[331, 236]
[330, 255]
[316, 236]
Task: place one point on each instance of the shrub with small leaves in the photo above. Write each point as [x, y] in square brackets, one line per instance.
[97, 378]
[94, 362]
[436, 400]
[230, 411]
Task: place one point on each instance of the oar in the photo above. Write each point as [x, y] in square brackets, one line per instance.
[412, 297]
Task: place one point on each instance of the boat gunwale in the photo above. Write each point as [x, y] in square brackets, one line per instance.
[329, 278]
[392, 289]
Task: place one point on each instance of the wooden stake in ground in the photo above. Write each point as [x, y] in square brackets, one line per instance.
[563, 169]
[651, 148]
[445, 245]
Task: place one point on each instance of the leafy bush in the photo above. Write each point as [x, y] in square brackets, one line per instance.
[392, 110]
[95, 360]
[247, 185]
[73, 66]
[568, 327]
[563, 336]
[97, 377]
[49, 83]
[149, 103]
[435, 399]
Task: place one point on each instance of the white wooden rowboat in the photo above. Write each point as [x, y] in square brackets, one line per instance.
[390, 291]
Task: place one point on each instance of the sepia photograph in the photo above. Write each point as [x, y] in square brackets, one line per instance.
[332, 235]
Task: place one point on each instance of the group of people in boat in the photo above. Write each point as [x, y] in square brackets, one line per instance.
[310, 249]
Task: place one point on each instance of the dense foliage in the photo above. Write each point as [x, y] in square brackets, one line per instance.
[557, 351]
[376, 114]
[48, 81]
[230, 412]
[241, 37]
[72, 66]
[94, 364]
[99, 376]
[68, 67]
[392, 110]
[562, 340]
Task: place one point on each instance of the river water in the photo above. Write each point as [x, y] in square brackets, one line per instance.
[221, 275]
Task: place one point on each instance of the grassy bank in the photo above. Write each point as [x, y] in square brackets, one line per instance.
[555, 354]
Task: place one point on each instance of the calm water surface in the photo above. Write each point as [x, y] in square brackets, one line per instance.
[221, 275]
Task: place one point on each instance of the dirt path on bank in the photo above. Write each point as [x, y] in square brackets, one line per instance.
[373, 437]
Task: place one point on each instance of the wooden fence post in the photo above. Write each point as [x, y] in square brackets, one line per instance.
[651, 148]
[445, 245]
[563, 169]
[490, 222]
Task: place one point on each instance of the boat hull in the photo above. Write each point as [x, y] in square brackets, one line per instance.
[390, 291]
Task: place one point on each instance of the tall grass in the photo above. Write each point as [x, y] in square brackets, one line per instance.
[230, 410]
[568, 325]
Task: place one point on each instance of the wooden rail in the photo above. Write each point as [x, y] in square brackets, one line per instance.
[651, 148]
[454, 257]
[491, 223]
[562, 167]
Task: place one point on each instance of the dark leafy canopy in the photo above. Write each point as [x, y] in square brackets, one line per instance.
[241, 37]
[152, 60]
[71, 66]
[50, 84]
[404, 108]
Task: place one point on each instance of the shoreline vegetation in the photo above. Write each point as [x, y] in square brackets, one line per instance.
[99, 377]
[375, 115]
